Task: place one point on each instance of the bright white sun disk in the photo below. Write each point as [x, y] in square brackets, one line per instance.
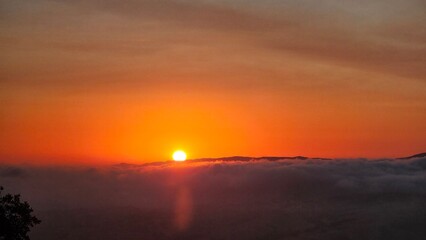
[179, 156]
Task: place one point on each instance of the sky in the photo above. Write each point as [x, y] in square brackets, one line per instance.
[131, 81]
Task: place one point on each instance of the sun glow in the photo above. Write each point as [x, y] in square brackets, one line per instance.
[179, 156]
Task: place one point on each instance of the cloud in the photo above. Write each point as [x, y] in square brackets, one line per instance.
[124, 36]
[365, 38]
[296, 199]
[11, 172]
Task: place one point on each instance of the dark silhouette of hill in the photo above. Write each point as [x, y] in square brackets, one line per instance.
[244, 159]
[247, 159]
[420, 155]
[222, 159]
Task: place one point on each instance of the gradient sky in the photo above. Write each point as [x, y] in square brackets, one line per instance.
[107, 81]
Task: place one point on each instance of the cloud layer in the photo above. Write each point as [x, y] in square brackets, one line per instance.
[291, 199]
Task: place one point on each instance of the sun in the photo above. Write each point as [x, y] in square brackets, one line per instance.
[179, 156]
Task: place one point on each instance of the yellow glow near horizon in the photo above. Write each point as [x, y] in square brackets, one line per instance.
[179, 156]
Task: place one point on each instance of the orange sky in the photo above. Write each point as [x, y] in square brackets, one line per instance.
[91, 81]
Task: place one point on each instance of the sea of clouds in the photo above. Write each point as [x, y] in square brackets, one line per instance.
[286, 199]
